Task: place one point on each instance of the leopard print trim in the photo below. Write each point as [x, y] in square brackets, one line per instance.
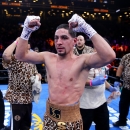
[50, 124]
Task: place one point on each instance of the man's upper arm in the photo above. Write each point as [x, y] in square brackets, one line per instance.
[34, 57]
[93, 60]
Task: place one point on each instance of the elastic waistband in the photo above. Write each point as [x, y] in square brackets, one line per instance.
[63, 113]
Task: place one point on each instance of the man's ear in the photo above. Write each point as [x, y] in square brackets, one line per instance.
[75, 40]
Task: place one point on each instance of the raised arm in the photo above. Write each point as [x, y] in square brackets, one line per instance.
[9, 51]
[32, 23]
[104, 54]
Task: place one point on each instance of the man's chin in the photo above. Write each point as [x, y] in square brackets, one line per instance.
[61, 54]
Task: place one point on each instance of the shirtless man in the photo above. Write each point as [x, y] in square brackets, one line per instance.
[66, 72]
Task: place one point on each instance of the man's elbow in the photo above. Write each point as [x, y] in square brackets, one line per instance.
[6, 57]
[111, 57]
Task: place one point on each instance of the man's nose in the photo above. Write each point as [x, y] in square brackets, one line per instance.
[59, 41]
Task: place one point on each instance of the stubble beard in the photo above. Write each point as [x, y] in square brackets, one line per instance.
[62, 54]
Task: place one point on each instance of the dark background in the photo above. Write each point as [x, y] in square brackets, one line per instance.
[110, 18]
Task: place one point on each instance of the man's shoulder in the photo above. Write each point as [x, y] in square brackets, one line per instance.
[47, 53]
[49, 56]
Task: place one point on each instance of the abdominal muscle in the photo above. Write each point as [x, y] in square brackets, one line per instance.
[65, 94]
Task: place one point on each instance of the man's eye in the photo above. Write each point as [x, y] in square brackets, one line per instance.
[64, 37]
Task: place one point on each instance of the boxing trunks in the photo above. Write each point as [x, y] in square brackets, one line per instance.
[62, 117]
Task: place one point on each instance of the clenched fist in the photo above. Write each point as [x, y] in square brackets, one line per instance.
[79, 25]
[31, 24]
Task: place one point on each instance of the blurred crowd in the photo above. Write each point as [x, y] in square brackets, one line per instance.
[118, 35]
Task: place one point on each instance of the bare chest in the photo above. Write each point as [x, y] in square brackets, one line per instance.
[62, 71]
[65, 71]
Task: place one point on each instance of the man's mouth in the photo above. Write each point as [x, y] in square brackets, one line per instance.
[60, 48]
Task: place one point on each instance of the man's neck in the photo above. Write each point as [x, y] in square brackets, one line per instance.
[65, 57]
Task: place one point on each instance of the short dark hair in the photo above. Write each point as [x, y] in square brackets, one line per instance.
[66, 26]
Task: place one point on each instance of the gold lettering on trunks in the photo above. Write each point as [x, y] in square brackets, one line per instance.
[61, 126]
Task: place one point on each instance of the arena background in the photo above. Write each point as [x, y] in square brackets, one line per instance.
[110, 18]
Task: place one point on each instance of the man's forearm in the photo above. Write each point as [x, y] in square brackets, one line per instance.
[9, 51]
[21, 49]
[31, 24]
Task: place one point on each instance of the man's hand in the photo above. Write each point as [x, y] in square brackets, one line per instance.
[113, 95]
[39, 75]
[79, 25]
[113, 89]
[98, 80]
[116, 84]
[31, 24]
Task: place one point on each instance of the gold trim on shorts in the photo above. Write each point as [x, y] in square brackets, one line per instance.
[63, 113]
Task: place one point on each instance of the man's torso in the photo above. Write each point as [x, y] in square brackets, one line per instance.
[66, 79]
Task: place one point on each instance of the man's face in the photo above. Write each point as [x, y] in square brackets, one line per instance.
[63, 42]
[80, 41]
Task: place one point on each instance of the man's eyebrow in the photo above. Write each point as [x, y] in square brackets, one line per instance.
[61, 36]
[64, 35]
